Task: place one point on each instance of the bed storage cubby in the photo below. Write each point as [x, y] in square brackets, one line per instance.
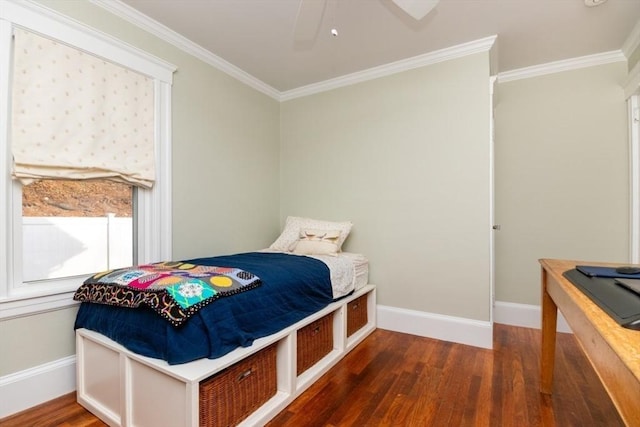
[228, 397]
[314, 341]
[247, 386]
[356, 314]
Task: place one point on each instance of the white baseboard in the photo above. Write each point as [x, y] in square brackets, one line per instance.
[461, 330]
[33, 386]
[525, 315]
[437, 326]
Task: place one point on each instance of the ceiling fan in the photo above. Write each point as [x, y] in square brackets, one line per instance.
[311, 12]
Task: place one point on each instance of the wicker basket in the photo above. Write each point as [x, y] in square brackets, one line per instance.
[356, 314]
[314, 342]
[233, 394]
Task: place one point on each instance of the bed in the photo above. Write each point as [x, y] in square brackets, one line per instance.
[281, 334]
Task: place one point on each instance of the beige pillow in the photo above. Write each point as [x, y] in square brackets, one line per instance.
[317, 242]
[294, 225]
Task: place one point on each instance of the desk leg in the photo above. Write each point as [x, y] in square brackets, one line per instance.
[549, 320]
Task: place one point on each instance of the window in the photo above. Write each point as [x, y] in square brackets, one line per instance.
[23, 289]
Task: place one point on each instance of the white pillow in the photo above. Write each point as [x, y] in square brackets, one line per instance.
[317, 242]
[294, 225]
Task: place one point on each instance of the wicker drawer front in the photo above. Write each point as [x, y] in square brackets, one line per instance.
[233, 394]
[314, 342]
[356, 314]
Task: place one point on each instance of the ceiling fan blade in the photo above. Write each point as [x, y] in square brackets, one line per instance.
[308, 20]
[418, 9]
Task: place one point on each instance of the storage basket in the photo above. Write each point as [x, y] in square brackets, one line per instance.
[231, 395]
[356, 314]
[314, 342]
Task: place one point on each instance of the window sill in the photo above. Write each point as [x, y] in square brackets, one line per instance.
[11, 308]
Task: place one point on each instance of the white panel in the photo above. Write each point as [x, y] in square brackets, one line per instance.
[340, 328]
[285, 356]
[100, 376]
[156, 400]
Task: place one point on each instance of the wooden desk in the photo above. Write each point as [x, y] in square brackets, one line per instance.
[614, 351]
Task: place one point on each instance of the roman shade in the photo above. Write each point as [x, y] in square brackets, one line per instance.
[76, 116]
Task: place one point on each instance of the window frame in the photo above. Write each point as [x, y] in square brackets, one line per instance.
[152, 208]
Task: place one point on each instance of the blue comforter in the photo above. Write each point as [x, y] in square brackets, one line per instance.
[293, 287]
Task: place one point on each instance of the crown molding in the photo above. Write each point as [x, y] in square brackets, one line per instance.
[563, 65]
[632, 42]
[470, 48]
[142, 21]
[152, 26]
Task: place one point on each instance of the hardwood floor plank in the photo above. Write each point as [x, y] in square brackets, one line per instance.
[394, 379]
[482, 408]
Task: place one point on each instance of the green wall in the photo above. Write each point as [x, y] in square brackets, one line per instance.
[561, 175]
[406, 158]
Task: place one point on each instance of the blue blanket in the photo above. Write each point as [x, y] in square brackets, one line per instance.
[293, 287]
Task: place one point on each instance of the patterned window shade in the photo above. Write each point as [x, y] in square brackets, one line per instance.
[75, 116]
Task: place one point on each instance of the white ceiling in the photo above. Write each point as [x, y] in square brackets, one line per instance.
[261, 38]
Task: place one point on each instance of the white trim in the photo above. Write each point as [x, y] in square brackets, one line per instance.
[448, 328]
[490, 227]
[634, 176]
[563, 65]
[140, 20]
[470, 48]
[632, 42]
[524, 315]
[26, 389]
[6, 228]
[36, 304]
[154, 215]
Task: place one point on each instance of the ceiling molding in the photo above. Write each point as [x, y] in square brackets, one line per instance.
[477, 46]
[140, 20]
[563, 65]
[632, 42]
[144, 22]
[152, 26]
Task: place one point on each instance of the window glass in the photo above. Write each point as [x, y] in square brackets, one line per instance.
[72, 227]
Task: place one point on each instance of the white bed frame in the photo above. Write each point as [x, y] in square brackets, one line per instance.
[125, 389]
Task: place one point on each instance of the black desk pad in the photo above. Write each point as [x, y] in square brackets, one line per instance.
[619, 303]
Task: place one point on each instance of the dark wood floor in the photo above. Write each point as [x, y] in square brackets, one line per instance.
[394, 379]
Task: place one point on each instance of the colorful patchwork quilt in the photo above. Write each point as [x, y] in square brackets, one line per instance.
[174, 290]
